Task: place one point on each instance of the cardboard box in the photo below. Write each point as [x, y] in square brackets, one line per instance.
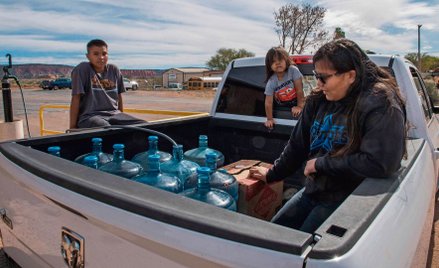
[256, 198]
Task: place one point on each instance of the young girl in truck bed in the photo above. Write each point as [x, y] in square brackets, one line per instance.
[284, 84]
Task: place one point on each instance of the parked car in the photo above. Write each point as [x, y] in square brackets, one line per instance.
[60, 83]
[130, 84]
[175, 86]
[45, 84]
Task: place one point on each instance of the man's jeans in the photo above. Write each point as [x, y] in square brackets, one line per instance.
[304, 213]
[103, 121]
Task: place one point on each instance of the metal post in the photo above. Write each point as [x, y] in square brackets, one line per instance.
[7, 100]
[6, 91]
[419, 47]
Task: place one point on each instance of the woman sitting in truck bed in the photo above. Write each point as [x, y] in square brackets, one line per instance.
[352, 127]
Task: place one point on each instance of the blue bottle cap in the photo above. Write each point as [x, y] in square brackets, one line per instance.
[95, 140]
[203, 170]
[153, 138]
[118, 146]
[54, 149]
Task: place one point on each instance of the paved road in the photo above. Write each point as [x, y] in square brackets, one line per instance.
[200, 101]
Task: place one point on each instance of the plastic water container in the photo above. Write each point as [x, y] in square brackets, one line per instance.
[220, 178]
[204, 193]
[119, 166]
[54, 150]
[198, 155]
[185, 170]
[152, 176]
[91, 161]
[142, 158]
[103, 158]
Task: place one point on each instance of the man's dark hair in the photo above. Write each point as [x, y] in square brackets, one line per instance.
[96, 43]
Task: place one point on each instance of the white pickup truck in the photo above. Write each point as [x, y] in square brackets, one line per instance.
[57, 213]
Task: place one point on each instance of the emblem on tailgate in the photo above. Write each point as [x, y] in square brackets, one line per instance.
[72, 248]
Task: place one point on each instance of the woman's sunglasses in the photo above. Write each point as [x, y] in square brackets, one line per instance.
[323, 77]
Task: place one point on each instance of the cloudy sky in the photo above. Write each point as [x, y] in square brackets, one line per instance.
[178, 33]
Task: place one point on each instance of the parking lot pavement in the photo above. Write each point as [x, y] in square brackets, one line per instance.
[196, 101]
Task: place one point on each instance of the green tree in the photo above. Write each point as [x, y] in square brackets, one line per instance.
[300, 27]
[224, 56]
[427, 62]
[339, 33]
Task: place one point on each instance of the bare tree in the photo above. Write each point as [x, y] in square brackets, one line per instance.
[300, 27]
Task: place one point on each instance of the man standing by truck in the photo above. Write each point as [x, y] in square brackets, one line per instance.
[97, 89]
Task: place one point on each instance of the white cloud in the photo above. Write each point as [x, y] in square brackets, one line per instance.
[387, 26]
[170, 33]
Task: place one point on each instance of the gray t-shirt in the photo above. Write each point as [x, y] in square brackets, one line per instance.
[283, 91]
[99, 91]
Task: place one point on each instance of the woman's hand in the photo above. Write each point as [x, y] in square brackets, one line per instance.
[310, 167]
[269, 123]
[296, 110]
[259, 173]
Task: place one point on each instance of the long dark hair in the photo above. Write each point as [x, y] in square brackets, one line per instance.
[345, 55]
[275, 53]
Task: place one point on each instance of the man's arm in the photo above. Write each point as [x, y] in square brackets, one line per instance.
[120, 103]
[74, 110]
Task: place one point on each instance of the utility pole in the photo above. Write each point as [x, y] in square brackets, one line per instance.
[419, 47]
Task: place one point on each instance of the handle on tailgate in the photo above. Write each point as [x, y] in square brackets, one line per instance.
[5, 218]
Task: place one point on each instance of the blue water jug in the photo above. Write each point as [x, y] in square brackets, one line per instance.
[204, 193]
[54, 150]
[91, 161]
[142, 158]
[152, 176]
[220, 178]
[198, 155]
[103, 158]
[185, 170]
[119, 166]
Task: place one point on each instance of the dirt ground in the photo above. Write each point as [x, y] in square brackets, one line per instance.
[199, 101]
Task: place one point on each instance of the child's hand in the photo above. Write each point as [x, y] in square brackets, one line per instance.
[296, 110]
[269, 123]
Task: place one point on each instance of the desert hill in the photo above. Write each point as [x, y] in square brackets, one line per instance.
[52, 71]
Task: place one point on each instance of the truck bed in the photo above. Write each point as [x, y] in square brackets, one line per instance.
[169, 211]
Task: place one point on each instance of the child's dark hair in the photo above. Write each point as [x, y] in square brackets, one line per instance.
[345, 55]
[96, 43]
[275, 53]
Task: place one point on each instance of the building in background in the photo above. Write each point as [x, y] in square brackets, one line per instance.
[182, 75]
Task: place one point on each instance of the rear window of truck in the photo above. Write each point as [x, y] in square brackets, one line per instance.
[243, 91]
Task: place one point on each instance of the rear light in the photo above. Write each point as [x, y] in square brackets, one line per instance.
[302, 59]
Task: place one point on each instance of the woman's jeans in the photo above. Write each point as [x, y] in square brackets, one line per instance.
[304, 213]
